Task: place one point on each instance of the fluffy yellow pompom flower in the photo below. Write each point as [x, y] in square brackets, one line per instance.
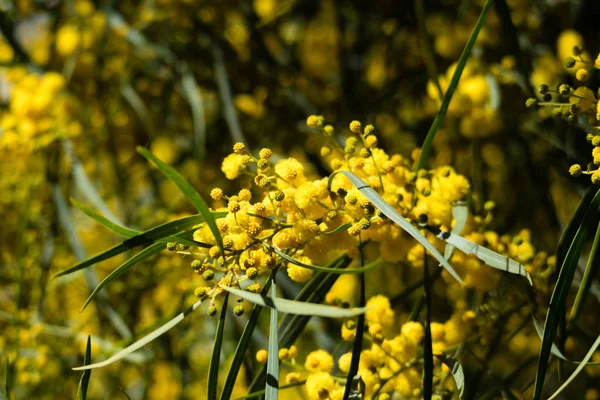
[67, 40]
[319, 361]
[380, 312]
[291, 170]
[233, 165]
[261, 356]
[413, 331]
[319, 385]
[299, 274]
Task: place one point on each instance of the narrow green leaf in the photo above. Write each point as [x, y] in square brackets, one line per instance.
[561, 291]
[591, 270]
[457, 372]
[341, 228]
[191, 92]
[490, 257]
[242, 347]
[427, 342]
[555, 350]
[143, 341]
[392, 214]
[291, 326]
[296, 307]
[192, 195]
[215, 359]
[272, 385]
[460, 213]
[139, 107]
[358, 340]
[116, 228]
[142, 255]
[579, 368]
[375, 264]
[460, 66]
[85, 378]
[261, 393]
[155, 234]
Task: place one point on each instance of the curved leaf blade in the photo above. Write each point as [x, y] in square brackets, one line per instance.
[192, 195]
[116, 228]
[489, 257]
[143, 341]
[215, 359]
[392, 214]
[373, 265]
[579, 368]
[460, 213]
[296, 307]
[142, 255]
[85, 378]
[155, 234]
[457, 372]
[272, 383]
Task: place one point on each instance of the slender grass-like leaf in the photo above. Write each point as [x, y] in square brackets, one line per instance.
[142, 255]
[143, 341]
[579, 368]
[192, 195]
[373, 265]
[555, 350]
[116, 228]
[191, 93]
[358, 340]
[291, 326]
[591, 270]
[242, 347]
[460, 66]
[139, 107]
[296, 307]
[427, 341]
[272, 385]
[490, 257]
[561, 291]
[85, 378]
[152, 235]
[457, 372]
[261, 393]
[392, 214]
[215, 359]
[460, 212]
[341, 228]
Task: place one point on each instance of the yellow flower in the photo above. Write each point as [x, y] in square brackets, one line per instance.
[319, 385]
[67, 40]
[233, 165]
[319, 361]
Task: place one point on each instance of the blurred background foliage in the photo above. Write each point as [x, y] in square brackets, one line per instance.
[83, 82]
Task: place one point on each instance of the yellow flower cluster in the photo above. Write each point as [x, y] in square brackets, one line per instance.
[39, 110]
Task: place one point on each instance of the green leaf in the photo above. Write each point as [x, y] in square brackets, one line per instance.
[579, 368]
[375, 264]
[460, 66]
[392, 214]
[460, 212]
[291, 326]
[427, 342]
[261, 393]
[591, 270]
[192, 195]
[116, 228]
[555, 350]
[155, 234]
[490, 257]
[358, 341]
[272, 386]
[142, 255]
[457, 372]
[85, 378]
[242, 347]
[341, 228]
[191, 93]
[296, 307]
[143, 341]
[215, 359]
[561, 291]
